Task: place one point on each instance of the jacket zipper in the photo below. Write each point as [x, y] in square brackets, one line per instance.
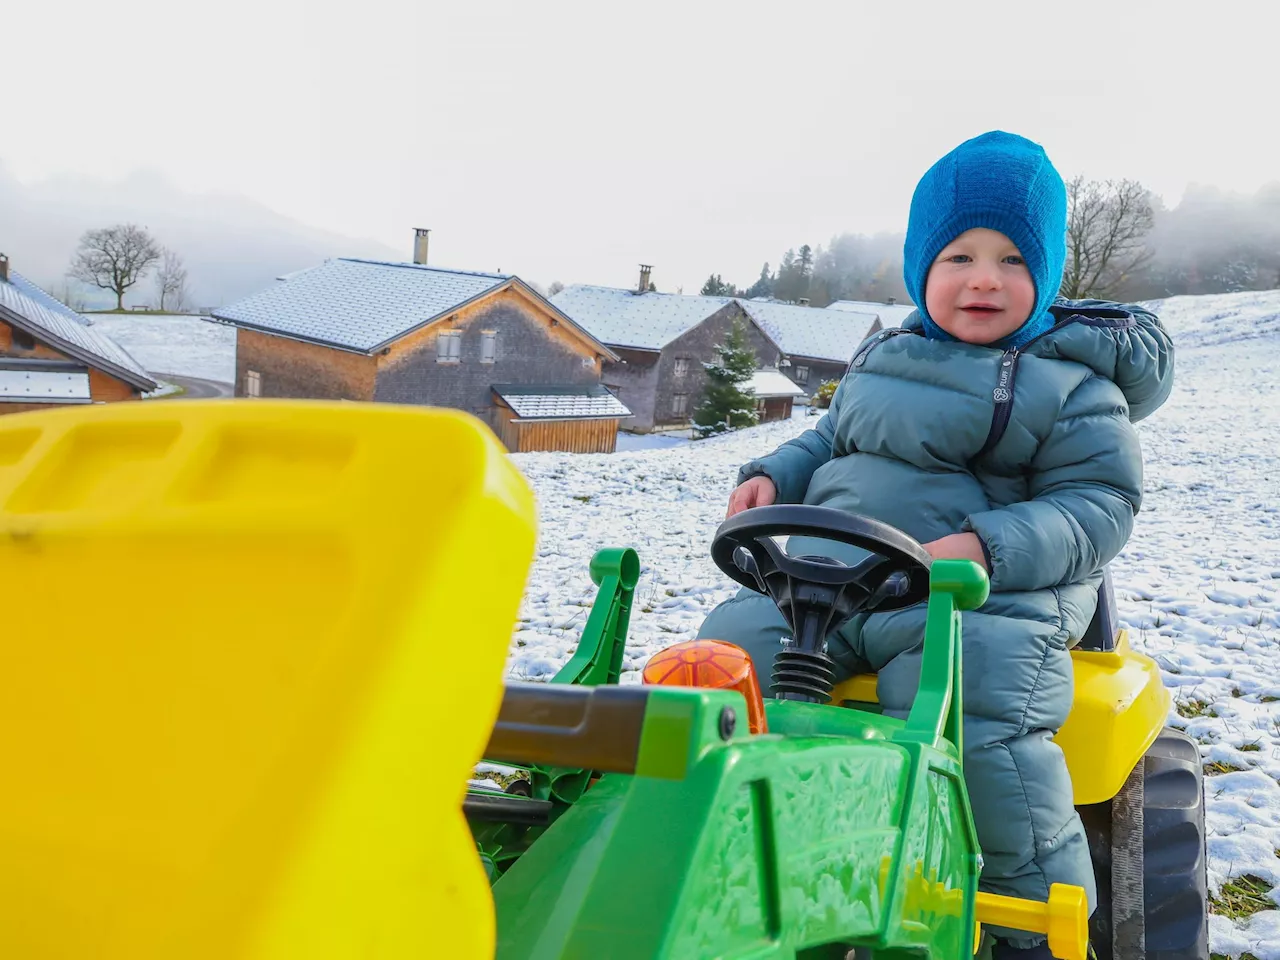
[1003, 397]
[1005, 384]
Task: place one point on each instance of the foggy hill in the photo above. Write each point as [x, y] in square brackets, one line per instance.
[232, 245]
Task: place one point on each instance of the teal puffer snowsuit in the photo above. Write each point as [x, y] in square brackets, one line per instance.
[1035, 452]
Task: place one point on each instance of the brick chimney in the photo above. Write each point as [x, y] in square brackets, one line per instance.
[4, 267]
[645, 271]
[420, 245]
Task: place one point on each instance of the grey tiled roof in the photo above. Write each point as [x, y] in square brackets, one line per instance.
[63, 329]
[811, 332]
[28, 288]
[623, 318]
[890, 314]
[538, 401]
[358, 304]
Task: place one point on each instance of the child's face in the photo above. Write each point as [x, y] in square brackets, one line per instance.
[979, 289]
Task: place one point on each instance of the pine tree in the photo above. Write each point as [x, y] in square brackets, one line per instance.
[716, 287]
[805, 261]
[725, 405]
[762, 287]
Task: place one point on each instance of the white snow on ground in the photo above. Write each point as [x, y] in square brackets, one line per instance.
[172, 343]
[1198, 585]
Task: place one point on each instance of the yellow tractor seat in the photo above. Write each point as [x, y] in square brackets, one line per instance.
[221, 712]
[1118, 710]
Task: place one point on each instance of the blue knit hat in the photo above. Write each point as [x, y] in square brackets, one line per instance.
[1002, 182]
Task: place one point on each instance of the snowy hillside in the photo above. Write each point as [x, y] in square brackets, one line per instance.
[172, 343]
[1198, 585]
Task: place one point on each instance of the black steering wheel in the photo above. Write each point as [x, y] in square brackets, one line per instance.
[814, 593]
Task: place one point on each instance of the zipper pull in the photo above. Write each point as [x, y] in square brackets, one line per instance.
[861, 358]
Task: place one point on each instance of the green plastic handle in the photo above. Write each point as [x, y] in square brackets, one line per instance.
[954, 585]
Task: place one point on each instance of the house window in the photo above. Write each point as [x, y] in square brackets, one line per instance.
[679, 404]
[802, 374]
[23, 340]
[682, 366]
[488, 346]
[253, 384]
[449, 347]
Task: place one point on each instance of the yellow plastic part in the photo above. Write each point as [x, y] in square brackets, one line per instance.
[1064, 919]
[231, 723]
[860, 688]
[1119, 709]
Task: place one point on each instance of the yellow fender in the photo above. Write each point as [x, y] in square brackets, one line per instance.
[231, 724]
[1119, 708]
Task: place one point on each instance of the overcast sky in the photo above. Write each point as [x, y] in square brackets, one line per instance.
[570, 141]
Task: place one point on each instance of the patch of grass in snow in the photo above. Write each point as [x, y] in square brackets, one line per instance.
[1251, 747]
[1237, 692]
[1267, 698]
[1215, 767]
[1195, 708]
[1242, 897]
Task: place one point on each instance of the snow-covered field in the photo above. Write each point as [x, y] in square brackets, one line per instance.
[171, 343]
[1198, 585]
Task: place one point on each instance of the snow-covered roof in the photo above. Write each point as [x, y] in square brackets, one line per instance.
[771, 383]
[358, 304]
[362, 305]
[624, 318]
[28, 308]
[811, 332]
[541, 401]
[890, 314]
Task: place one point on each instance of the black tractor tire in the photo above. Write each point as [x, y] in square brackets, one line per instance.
[1149, 860]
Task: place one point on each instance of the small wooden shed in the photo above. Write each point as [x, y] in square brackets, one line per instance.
[576, 419]
[774, 393]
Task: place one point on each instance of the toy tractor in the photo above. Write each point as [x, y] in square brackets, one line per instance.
[230, 726]
[795, 828]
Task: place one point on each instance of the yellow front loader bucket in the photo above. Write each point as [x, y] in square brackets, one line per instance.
[251, 652]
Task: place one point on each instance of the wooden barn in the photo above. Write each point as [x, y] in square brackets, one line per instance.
[411, 333]
[548, 417]
[663, 341]
[51, 356]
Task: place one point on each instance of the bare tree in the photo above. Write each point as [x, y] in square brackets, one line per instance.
[1107, 227]
[114, 258]
[556, 287]
[171, 282]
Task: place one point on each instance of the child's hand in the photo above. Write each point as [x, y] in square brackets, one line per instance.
[958, 546]
[756, 492]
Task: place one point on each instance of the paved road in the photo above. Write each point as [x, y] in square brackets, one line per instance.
[198, 389]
